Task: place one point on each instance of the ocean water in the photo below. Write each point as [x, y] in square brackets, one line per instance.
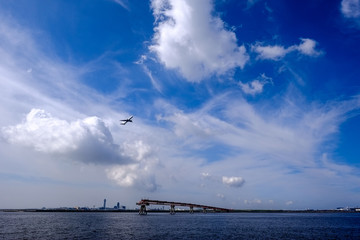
[112, 225]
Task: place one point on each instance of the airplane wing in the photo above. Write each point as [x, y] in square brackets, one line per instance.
[127, 119]
[124, 121]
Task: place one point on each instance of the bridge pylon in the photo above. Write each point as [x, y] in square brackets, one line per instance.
[142, 210]
[191, 211]
[172, 209]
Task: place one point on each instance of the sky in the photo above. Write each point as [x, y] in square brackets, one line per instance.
[250, 104]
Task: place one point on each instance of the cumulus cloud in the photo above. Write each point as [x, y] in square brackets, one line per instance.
[139, 174]
[253, 87]
[270, 52]
[124, 176]
[307, 47]
[233, 181]
[188, 38]
[132, 176]
[88, 140]
[350, 8]
[256, 86]
[351, 11]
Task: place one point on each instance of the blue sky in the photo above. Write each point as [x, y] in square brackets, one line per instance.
[240, 104]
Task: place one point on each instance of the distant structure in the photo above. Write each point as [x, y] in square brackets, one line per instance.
[146, 202]
[116, 207]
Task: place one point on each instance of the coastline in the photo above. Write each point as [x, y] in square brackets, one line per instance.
[177, 211]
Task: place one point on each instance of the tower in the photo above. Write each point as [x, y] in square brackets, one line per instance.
[105, 203]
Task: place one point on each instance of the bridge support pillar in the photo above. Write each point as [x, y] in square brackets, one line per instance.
[172, 209]
[142, 210]
[191, 210]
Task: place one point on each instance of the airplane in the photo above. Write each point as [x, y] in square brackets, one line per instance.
[126, 120]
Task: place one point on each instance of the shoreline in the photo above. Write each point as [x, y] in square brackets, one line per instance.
[177, 211]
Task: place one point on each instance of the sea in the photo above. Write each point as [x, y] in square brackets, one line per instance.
[121, 225]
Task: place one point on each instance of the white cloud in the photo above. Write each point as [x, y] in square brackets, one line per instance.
[155, 83]
[188, 38]
[288, 203]
[88, 140]
[256, 86]
[123, 3]
[277, 52]
[233, 181]
[125, 175]
[270, 52]
[253, 87]
[248, 125]
[307, 47]
[350, 8]
[351, 11]
[139, 174]
[132, 176]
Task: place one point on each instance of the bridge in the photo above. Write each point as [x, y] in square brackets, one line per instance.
[146, 202]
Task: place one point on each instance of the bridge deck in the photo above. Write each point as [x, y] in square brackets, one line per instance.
[147, 202]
